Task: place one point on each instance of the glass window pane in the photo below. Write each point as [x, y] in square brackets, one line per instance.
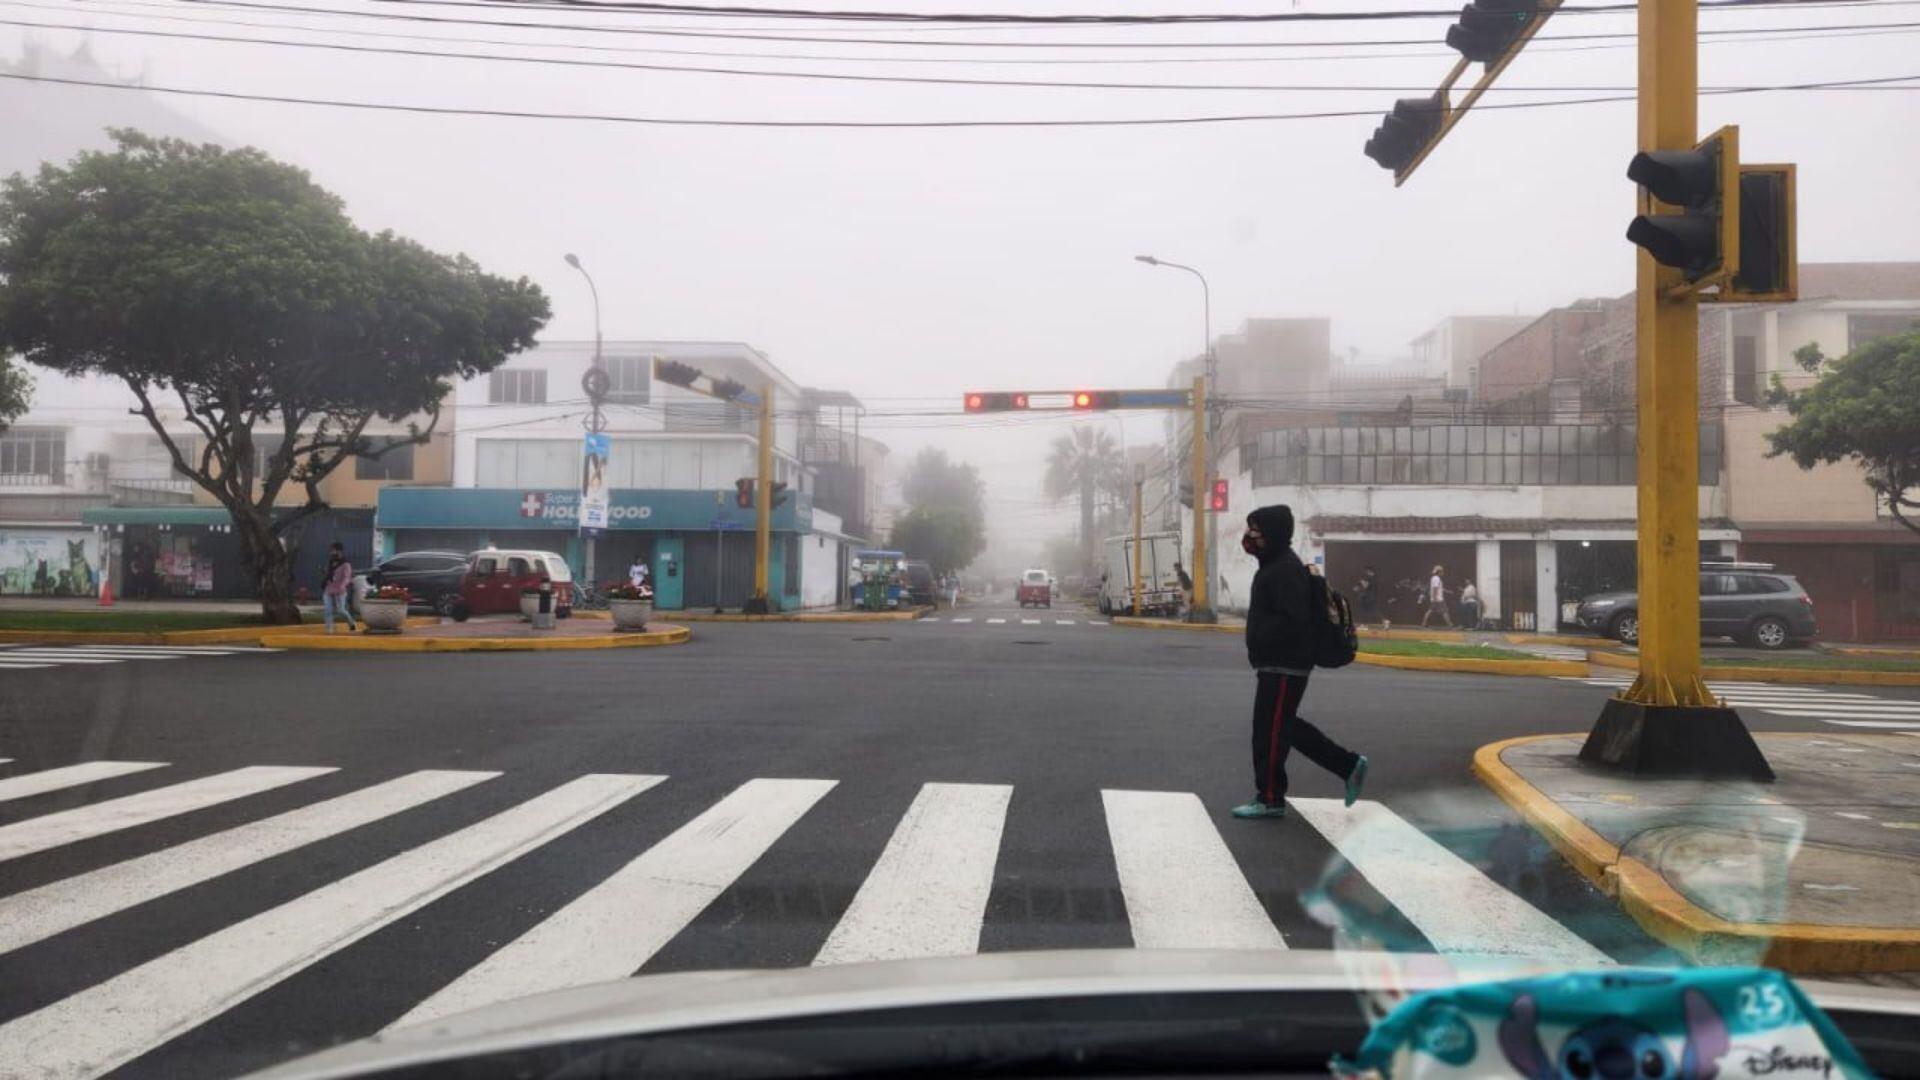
[1402, 439]
[1476, 440]
[1456, 440]
[1550, 469]
[1529, 469]
[1530, 439]
[1368, 469]
[1476, 470]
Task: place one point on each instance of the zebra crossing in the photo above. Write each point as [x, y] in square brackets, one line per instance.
[1842, 708]
[1010, 620]
[26, 657]
[924, 893]
[1548, 652]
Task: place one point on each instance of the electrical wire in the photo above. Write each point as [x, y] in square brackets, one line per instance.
[927, 80]
[667, 121]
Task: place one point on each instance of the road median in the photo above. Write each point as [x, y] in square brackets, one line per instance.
[1671, 852]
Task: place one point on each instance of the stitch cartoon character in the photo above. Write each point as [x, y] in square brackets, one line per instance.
[1615, 1048]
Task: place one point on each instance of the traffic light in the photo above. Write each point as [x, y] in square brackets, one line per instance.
[1769, 261]
[780, 493]
[743, 493]
[1217, 500]
[1489, 29]
[978, 401]
[1096, 399]
[1702, 241]
[675, 372]
[1405, 132]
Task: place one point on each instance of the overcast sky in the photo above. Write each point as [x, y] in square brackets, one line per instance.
[910, 265]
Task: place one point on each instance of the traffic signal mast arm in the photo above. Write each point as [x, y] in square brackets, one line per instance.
[1491, 32]
[975, 401]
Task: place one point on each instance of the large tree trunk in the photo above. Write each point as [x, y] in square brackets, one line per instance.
[271, 565]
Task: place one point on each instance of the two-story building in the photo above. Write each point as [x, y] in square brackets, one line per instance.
[676, 460]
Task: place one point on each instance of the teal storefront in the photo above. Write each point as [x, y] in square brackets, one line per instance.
[698, 543]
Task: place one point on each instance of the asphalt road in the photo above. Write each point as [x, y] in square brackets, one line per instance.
[1080, 772]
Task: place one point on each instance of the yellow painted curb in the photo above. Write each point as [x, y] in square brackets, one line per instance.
[1663, 912]
[224, 635]
[1168, 624]
[1897, 654]
[1806, 676]
[668, 635]
[1473, 666]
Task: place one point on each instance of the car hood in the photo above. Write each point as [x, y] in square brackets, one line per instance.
[696, 1000]
[1610, 597]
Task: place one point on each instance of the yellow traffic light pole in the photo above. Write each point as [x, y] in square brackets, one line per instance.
[762, 602]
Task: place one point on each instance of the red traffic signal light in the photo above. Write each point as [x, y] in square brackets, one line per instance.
[978, 401]
[1217, 499]
[1083, 400]
[743, 493]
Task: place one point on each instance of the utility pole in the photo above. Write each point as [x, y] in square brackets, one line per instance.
[762, 601]
[1202, 611]
[1139, 511]
[595, 383]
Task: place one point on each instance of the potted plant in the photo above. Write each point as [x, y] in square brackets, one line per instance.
[384, 609]
[530, 602]
[631, 605]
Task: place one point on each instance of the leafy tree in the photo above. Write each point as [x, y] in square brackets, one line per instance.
[946, 518]
[14, 387]
[1086, 462]
[1866, 408]
[231, 294]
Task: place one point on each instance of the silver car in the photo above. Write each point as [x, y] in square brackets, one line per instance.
[1750, 602]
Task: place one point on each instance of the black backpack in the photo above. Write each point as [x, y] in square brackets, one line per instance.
[1330, 628]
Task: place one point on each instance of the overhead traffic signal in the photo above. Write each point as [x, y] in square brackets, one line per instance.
[1096, 399]
[1702, 241]
[1489, 29]
[675, 372]
[780, 493]
[1405, 132]
[979, 401]
[1217, 499]
[743, 493]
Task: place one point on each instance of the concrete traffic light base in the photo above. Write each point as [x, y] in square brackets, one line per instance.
[1674, 740]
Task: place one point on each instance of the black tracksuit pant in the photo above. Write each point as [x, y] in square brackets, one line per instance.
[1278, 727]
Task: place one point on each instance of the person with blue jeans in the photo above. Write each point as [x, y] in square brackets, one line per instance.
[338, 591]
[1280, 649]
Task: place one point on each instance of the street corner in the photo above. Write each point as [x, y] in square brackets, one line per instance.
[1813, 873]
[487, 636]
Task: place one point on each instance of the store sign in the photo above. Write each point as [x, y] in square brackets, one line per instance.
[631, 508]
[550, 506]
[594, 497]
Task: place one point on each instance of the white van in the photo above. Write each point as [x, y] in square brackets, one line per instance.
[1159, 582]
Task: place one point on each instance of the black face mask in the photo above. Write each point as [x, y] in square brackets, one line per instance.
[1250, 544]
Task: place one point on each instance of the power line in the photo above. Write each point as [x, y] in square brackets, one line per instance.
[665, 121]
[334, 46]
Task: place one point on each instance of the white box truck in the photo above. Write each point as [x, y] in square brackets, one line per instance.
[1159, 582]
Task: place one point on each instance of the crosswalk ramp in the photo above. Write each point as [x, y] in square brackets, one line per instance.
[1849, 707]
[28, 657]
[925, 879]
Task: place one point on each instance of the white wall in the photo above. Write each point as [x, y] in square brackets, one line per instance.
[820, 562]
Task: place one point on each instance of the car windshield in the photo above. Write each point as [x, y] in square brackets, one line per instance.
[502, 498]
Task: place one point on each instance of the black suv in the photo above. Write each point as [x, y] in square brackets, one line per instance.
[1750, 602]
[433, 577]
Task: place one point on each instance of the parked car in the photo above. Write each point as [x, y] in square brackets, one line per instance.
[433, 577]
[495, 578]
[1750, 602]
[1035, 589]
[921, 587]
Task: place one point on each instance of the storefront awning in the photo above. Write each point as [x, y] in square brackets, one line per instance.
[156, 515]
[512, 508]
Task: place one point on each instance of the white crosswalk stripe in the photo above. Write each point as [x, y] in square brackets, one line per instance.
[44, 656]
[926, 892]
[1843, 708]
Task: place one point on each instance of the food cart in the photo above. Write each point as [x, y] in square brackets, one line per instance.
[882, 584]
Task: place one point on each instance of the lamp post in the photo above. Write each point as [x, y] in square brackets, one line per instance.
[1203, 609]
[595, 383]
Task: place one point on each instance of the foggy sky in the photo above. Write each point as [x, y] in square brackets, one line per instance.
[909, 266]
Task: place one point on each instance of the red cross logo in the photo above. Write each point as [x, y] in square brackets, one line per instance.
[530, 505]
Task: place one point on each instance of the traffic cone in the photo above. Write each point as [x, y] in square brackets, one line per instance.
[106, 592]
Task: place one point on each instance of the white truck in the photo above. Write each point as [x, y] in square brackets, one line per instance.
[1160, 592]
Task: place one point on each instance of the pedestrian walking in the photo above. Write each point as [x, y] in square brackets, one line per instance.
[1186, 586]
[1437, 598]
[1470, 605]
[334, 595]
[637, 573]
[1366, 595]
[1280, 649]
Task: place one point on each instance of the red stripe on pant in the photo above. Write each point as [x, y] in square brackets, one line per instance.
[1273, 738]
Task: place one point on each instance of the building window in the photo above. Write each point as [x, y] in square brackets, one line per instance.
[1746, 370]
[1497, 454]
[1864, 328]
[33, 457]
[517, 386]
[527, 463]
[394, 463]
[630, 379]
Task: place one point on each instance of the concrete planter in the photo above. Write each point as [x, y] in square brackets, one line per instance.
[630, 614]
[383, 616]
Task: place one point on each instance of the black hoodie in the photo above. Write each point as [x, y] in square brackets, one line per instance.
[1277, 632]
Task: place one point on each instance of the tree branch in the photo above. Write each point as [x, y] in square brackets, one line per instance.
[199, 476]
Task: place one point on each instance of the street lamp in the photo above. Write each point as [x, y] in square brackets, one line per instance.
[595, 383]
[1204, 614]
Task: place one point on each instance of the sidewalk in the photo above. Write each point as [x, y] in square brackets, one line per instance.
[1816, 873]
[88, 603]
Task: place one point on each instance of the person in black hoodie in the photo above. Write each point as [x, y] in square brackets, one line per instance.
[1280, 648]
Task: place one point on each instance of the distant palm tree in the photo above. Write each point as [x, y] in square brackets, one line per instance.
[1086, 462]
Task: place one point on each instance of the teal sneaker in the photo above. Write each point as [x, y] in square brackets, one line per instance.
[1356, 780]
[1258, 809]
